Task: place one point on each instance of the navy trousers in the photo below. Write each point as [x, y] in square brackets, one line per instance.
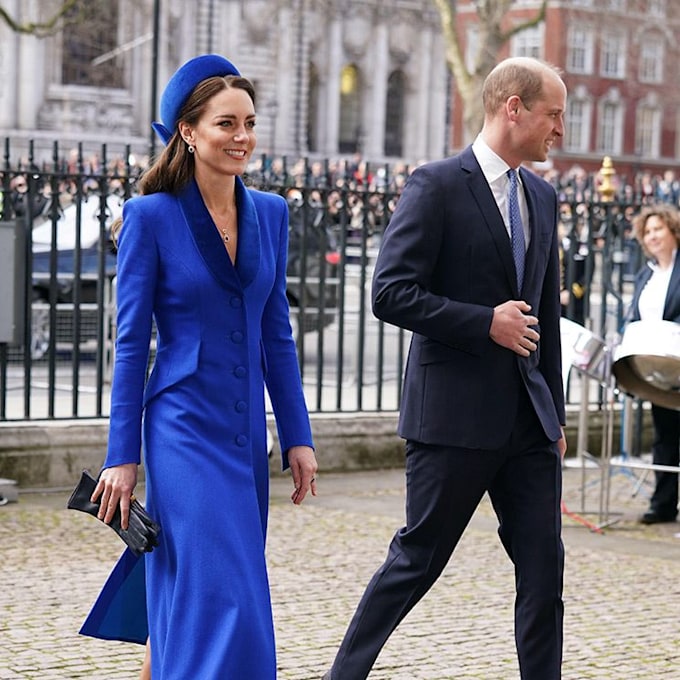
[444, 487]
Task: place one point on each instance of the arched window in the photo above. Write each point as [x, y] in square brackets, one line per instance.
[394, 114]
[350, 110]
[90, 32]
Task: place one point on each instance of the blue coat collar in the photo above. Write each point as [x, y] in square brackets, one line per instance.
[208, 240]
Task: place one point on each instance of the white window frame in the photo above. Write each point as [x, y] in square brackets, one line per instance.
[651, 64]
[581, 40]
[656, 8]
[529, 42]
[614, 125]
[613, 54]
[577, 124]
[648, 130]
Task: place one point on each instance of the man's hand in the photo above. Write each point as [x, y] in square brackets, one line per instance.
[511, 327]
[562, 444]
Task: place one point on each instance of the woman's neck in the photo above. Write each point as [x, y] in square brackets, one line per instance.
[666, 260]
[219, 194]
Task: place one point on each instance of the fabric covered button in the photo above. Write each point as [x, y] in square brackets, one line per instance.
[236, 302]
[241, 406]
[240, 372]
[237, 337]
[241, 440]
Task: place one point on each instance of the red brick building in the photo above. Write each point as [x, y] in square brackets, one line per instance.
[621, 62]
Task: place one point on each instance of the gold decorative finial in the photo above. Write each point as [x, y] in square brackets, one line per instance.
[607, 173]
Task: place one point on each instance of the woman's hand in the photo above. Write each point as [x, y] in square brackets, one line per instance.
[115, 487]
[303, 467]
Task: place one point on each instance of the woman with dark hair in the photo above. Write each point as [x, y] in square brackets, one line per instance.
[205, 259]
[657, 297]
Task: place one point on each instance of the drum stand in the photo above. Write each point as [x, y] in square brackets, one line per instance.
[604, 463]
[626, 461]
[584, 458]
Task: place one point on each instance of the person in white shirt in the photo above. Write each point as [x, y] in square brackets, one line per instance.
[657, 296]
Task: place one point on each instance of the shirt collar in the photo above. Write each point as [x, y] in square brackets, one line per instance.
[653, 265]
[492, 165]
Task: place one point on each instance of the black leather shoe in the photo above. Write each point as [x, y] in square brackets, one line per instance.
[653, 517]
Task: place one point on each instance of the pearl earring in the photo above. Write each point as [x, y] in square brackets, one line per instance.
[190, 148]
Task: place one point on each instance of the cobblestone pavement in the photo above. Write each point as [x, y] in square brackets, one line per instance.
[622, 587]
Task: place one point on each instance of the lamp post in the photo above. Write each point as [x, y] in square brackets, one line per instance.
[273, 107]
[154, 73]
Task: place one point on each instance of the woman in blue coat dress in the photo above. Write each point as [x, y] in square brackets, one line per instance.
[205, 259]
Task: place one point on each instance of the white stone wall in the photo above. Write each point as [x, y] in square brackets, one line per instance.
[273, 42]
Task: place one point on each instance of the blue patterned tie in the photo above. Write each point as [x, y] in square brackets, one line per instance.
[516, 228]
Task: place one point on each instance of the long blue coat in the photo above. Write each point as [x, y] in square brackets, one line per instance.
[222, 334]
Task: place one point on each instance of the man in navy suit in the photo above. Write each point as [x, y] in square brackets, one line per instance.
[470, 264]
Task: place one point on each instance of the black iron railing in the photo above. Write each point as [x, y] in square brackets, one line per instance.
[61, 367]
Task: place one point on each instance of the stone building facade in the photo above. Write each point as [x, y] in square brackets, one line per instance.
[334, 77]
[620, 63]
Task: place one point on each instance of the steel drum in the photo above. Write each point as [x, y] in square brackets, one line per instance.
[583, 350]
[647, 362]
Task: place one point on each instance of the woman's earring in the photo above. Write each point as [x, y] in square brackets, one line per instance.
[190, 148]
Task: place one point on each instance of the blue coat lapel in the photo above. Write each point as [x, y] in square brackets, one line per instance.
[208, 240]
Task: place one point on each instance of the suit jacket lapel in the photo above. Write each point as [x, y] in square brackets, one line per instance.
[535, 231]
[671, 309]
[483, 195]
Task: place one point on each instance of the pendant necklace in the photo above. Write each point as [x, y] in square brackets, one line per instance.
[225, 236]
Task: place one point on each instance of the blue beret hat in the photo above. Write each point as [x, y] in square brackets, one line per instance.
[182, 84]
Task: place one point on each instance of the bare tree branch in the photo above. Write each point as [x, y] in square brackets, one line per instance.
[491, 38]
[41, 29]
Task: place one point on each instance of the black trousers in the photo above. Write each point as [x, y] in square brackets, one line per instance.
[665, 451]
[444, 487]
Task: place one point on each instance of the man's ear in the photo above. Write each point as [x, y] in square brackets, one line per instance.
[512, 105]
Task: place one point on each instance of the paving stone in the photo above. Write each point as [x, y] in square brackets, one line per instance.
[622, 587]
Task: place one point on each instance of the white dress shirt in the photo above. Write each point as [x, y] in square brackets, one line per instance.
[653, 296]
[495, 169]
